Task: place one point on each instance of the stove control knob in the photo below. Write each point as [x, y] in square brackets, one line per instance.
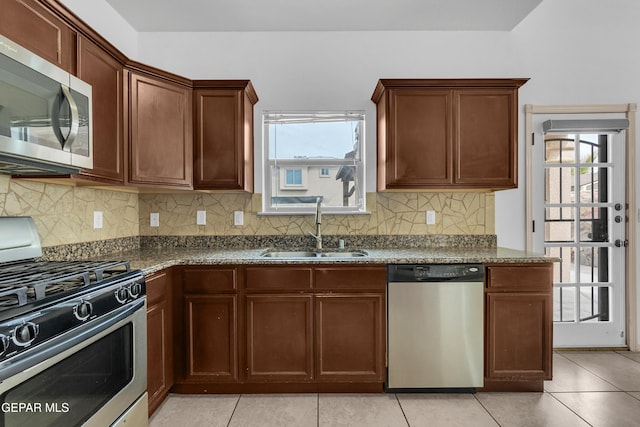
[121, 295]
[24, 335]
[4, 343]
[83, 310]
[135, 290]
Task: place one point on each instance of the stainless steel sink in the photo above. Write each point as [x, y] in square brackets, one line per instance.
[353, 254]
[290, 254]
[313, 254]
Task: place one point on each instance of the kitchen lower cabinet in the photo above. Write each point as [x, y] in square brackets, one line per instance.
[519, 326]
[159, 337]
[280, 328]
[211, 337]
[349, 337]
[330, 333]
[279, 338]
[208, 336]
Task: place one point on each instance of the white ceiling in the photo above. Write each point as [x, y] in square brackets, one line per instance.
[325, 15]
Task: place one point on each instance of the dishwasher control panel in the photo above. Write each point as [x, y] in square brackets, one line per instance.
[435, 272]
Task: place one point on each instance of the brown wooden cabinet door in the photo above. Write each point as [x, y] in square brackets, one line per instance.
[349, 336]
[29, 24]
[104, 73]
[160, 147]
[279, 337]
[419, 149]
[211, 334]
[485, 135]
[223, 156]
[519, 336]
[159, 339]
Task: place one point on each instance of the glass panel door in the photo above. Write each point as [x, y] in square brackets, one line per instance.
[584, 217]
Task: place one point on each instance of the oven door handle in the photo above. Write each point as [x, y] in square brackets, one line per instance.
[51, 352]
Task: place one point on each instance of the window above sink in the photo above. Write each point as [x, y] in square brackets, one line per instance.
[313, 154]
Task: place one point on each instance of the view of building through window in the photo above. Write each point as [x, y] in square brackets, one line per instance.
[310, 155]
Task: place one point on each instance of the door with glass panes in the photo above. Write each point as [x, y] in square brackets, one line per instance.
[579, 214]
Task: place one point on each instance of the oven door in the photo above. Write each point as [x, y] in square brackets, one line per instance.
[89, 376]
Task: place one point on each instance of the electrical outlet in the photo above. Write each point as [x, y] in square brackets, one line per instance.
[97, 219]
[154, 219]
[431, 217]
[238, 218]
[201, 217]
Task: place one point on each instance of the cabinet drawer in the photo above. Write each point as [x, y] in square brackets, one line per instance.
[534, 277]
[209, 280]
[278, 278]
[373, 278]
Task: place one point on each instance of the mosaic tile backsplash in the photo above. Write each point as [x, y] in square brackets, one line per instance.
[389, 214]
[64, 214]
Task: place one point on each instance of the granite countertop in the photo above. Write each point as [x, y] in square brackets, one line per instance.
[151, 260]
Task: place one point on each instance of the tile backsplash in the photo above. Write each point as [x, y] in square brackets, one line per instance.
[402, 213]
[64, 213]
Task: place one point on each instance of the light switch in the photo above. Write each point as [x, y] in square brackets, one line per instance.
[201, 217]
[97, 219]
[238, 218]
[154, 219]
[431, 217]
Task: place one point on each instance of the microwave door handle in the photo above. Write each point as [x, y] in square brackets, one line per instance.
[75, 118]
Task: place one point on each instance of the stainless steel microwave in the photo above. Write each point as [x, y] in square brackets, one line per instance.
[45, 116]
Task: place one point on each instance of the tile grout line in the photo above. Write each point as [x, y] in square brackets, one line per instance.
[572, 411]
[234, 410]
[475, 396]
[402, 410]
[591, 372]
[318, 409]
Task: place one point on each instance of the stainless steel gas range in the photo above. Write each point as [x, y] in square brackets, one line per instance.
[72, 337]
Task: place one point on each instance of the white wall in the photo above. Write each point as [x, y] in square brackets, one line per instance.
[100, 16]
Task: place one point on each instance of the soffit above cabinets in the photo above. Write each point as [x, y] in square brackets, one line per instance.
[327, 15]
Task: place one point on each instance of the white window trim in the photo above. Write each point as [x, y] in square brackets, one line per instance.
[359, 209]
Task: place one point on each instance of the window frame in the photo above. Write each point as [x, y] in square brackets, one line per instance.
[307, 164]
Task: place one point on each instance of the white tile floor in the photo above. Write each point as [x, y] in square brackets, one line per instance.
[599, 389]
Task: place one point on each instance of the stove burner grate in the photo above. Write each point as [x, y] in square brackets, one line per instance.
[25, 282]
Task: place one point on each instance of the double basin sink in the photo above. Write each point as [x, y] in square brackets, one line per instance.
[313, 254]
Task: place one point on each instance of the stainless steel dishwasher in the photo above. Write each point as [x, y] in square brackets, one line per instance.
[435, 333]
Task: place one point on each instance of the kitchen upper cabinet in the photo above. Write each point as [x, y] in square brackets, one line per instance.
[159, 337]
[519, 326]
[104, 73]
[160, 132]
[223, 131]
[34, 27]
[447, 134]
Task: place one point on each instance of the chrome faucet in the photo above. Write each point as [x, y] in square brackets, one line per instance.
[318, 235]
